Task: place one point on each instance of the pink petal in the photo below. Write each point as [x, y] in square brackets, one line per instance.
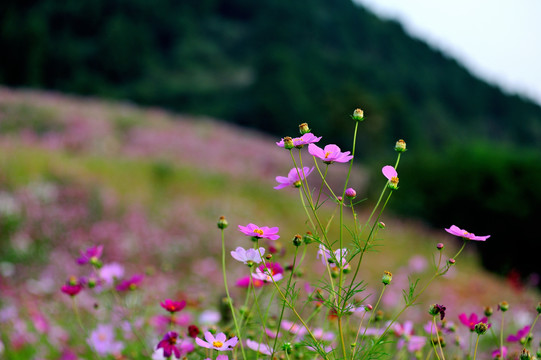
[389, 172]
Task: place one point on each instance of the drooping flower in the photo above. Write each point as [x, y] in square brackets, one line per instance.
[339, 254]
[331, 153]
[293, 178]
[390, 173]
[455, 230]
[173, 306]
[250, 256]
[269, 272]
[261, 348]
[472, 320]
[219, 342]
[169, 345]
[102, 340]
[263, 232]
[72, 287]
[520, 335]
[91, 255]
[130, 284]
[299, 142]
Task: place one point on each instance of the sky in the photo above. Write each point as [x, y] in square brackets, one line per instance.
[497, 40]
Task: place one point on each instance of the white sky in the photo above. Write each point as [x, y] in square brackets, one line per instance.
[498, 40]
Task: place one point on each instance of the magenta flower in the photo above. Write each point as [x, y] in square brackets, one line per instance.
[91, 255]
[520, 335]
[72, 287]
[173, 306]
[261, 348]
[331, 153]
[455, 230]
[217, 343]
[260, 232]
[269, 272]
[472, 320]
[102, 340]
[299, 142]
[169, 345]
[130, 284]
[244, 282]
[252, 256]
[293, 178]
[497, 355]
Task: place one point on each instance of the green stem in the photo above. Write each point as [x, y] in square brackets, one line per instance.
[501, 335]
[476, 344]
[438, 337]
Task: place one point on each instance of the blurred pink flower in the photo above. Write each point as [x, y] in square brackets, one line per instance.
[261, 348]
[519, 335]
[169, 345]
[130, 284]
[72, 287]
[250, 255]
[102, 340]
[110, 272]
[497, 355]
[244, 282]
[331, 153]
[219, 342]
[455, 230]
[269, 272]
[339, 254]
[173, 306]
[90, 255]
[305, 139]
[293, 178]
[472, 320]
[260, 232]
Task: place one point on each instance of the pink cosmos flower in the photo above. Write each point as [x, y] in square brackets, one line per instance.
[102, 340]
[90, 255]
[110, 272]
[293, 178]
[269, 272]
[298, 142]
[169, 345]
[250, 255]
[217, 343]
[173, 306]
[294, 328]
[130, 284]
[261, 348]
[244, 282]
[220, 357]
[519, 335]
[260, 232]
[339, 254]
[455, 230]
[405, 332]
[472, 320]
[72, 287]
[497, 355]
[331, 153]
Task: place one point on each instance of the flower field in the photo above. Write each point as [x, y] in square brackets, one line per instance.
[130, 233]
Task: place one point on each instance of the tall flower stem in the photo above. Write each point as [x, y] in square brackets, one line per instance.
[501, 334]
[229, 300]
[438, 337]
[476, 344]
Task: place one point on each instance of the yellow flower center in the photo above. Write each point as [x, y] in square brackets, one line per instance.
[327, 155]
[394, 180]
[259, 232]
[217, 344]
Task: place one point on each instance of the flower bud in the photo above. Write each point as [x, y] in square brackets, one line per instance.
[339, 199]
[288, 143]
[379, 315]
[538, 308]
[387, 278]
[73, 280]
[440, 246]
[287, 347]
[193, 331]
[503, 306]
[381, 225]
[268, 256]
[351, 193]
[92, 283]
[525, 355]
[358, 115]
[451, 261]
[488, 311]
[297, 240]
[222, 223]
[94, 261]
[481, 328]
[308, 238]
[400, 146]
[304, 129]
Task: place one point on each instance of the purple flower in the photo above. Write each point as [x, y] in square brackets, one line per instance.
[173, 306]
[268, 272]
[102, 340]
[252, 256]
[520, 335]
[130, 284]
[299, 142]
[293, 178]
[217, 343]
[91, 255]
[261, 348]
[455, 230]
[260, 232]
[472, 320]
[169, 345]
[331, 153]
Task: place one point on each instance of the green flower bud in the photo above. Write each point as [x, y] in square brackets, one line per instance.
[358, 115]
[297, 240]
[386, 278]
[481, 328]
[288, 143]
[304, 129]
[503, 306]
[222, 223]
[488, 311]
[400, 146]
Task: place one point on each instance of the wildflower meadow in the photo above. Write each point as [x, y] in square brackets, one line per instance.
[177, 240]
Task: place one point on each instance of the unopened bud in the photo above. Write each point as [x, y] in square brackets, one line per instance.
[288, 143]
[387, 278]
[287, 347]
[308, 238]
[351, 193]
[379, 315]
[525, 355]
[481, 328]
[503, 306]
[381, 225]
[488, 311]
[439, 246]
[73, 280]
[538, 308]
[400, 146]
[451, 261]
[304, 129]
[339, 199]
[92, 283]
[297, 240]
[222, 223]
[268, 256]
[358, 115]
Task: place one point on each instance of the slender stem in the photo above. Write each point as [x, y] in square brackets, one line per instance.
[374, 311]
[76, 311]
[353, 154]
[229, 300]
[438, 337]
[321, 186]
[476, 344]
[501, 335]
[432, 340]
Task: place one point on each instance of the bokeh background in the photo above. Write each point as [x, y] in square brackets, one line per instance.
[473, 158]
